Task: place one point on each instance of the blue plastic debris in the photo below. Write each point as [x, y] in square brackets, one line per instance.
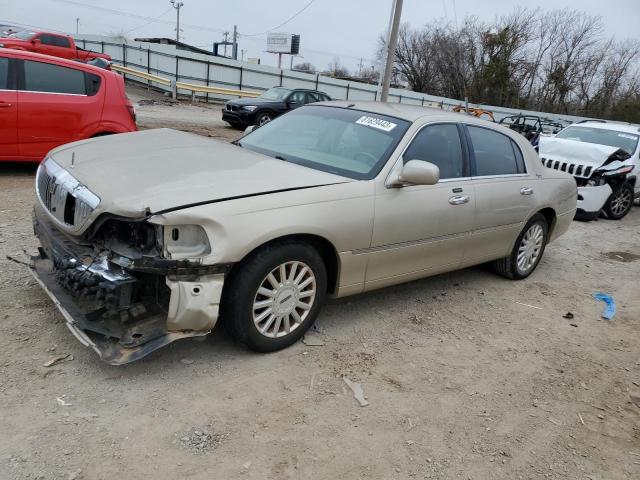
[610, 307]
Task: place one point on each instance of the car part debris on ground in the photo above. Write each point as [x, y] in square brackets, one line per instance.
[358, 392]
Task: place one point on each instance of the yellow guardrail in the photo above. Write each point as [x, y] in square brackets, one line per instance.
[182, 85]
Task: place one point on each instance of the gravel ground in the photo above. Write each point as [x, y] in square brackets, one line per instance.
[467, 375]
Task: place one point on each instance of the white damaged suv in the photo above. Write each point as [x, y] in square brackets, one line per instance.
[604, 158]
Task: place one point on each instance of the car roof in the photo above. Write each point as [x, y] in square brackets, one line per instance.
[615, 126]
[410, 113]
[22, 54]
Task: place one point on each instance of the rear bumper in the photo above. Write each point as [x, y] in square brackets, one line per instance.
[122, 315]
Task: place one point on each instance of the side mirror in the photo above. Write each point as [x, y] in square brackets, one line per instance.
[36, 41]
[292, 104]
[416, 172]
[250, 129]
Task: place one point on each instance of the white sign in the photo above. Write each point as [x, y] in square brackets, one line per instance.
[279, 42]
[378, 123]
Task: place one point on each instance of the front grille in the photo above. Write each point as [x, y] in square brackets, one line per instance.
[575, 169]
[63, 196]
[232, 108]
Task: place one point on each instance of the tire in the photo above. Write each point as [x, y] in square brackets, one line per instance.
[619, 202]
[509, 267]
[264, 117]
[264, 328]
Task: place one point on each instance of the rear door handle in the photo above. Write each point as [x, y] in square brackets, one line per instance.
[526, 191]
[5, 105]
[459, 199]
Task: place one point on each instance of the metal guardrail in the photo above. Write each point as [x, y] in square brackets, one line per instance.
[182, 85]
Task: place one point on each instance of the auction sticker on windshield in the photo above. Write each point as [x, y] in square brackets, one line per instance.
[378, 123]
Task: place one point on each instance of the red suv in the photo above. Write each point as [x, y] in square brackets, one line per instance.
[47, 101]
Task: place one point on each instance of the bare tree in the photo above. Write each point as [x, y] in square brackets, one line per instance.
[335, 69]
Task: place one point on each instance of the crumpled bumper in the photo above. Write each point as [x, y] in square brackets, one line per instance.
[122, 315]
[591, 199]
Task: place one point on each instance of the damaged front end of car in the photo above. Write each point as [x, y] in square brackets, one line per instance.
[599, 170]
[125, 286]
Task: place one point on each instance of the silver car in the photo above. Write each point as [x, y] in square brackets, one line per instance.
[153, 236]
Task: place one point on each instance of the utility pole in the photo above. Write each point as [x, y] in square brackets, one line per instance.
[226, 39]
[391, 50]
[243, 52]
[360, 65]
[234, 49]
[77, 25]
[177, 5]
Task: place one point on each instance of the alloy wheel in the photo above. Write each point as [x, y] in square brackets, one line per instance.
[530, 248]
[621, 202]
[284, 299]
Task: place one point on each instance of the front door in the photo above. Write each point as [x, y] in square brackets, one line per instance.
[8, 111]
[421, 230]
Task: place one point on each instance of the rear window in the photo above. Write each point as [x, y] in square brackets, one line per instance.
[49, 78]
[4, 73]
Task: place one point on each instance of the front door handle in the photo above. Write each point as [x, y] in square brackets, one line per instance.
[459, 199]
[526, 191]
[5, 105]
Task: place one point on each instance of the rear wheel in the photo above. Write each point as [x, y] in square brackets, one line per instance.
[619, 202]
[527, 251]
[274, 296]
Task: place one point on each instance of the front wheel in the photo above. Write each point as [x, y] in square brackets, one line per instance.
[273, 297]
[527, 251]
[619, 202]
[263, 118]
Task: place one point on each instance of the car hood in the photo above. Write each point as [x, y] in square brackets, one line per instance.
[155, 170]
[575, 152]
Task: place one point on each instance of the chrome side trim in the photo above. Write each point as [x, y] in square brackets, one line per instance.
[410, 243]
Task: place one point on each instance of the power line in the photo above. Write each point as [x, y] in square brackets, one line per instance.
[149, 22]
[283, 23]
[135, 15]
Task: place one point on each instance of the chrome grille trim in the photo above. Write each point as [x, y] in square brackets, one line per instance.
[575, 169]
[55, 187]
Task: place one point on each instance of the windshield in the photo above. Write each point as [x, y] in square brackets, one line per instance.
[24, 34]
[626, 141]
[276, 94]
[351, 143]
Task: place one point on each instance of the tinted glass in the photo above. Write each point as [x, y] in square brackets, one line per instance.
[312, 97]
[45, 77]
[61, 41]
[4, 73]
[346, 142]
[440, 145]
[624, 140]
[494, 152]
[276, 93]
[297, 97]
[46, 39]
[93, 83]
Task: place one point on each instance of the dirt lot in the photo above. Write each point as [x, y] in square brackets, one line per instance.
[465, 378]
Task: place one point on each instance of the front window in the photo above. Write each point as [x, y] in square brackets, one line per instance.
[626, 141]
[351, 143]
[277, 94]
[24, 35]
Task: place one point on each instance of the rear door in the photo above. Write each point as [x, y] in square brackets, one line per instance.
[505, 193]
[8, 110]
[57, 106]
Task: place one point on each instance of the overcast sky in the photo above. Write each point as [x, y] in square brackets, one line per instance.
[347, 29]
